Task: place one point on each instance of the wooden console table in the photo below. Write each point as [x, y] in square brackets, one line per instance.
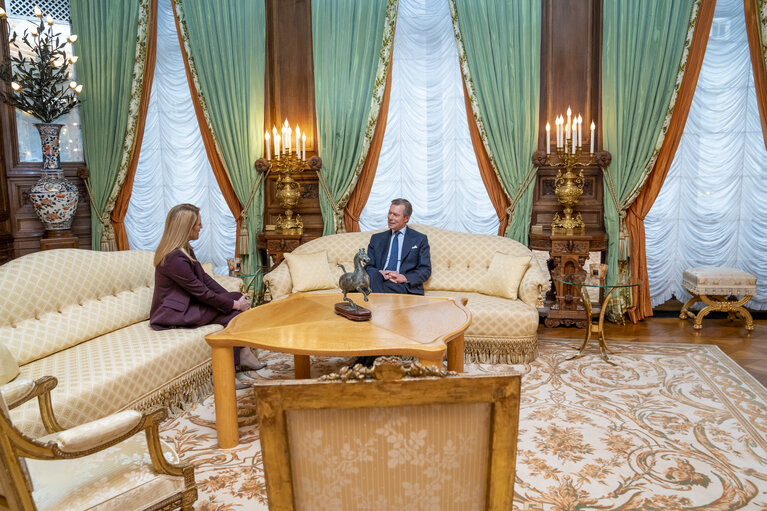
[275, 244]
[568, 254]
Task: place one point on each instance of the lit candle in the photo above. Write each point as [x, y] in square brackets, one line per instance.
[276, 141]
[277, 144]
[558, 122]
[548, 138]
[567, 128]
[592, 137]
[303, 145]
[289, 131]
[285, 136]
[298, 141]
[266, 143]
[569, 113]
[580, 131]
[574, 132]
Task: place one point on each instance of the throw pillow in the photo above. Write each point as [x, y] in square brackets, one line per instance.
[310, 272]
[9, 368]
[504, 275]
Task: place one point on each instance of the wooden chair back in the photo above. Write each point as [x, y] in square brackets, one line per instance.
[442, 443]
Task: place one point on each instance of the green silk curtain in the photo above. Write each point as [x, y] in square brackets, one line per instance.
[499, 45]
[226, 43]
[643, 45]
[109, 34]
[351, 43]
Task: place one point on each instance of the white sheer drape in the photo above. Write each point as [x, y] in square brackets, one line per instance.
[710, 211]
[427, 156]
[173, 166]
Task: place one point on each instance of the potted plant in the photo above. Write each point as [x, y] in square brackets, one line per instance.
[38, 71]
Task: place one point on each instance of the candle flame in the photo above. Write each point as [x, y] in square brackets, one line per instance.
[266, 136]
[569, 112]
[548, 127]
[593, 125]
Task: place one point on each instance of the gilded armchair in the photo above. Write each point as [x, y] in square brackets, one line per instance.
[103, 464]
[439, 443]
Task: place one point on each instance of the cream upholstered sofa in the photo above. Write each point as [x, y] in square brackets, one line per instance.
[502, 330]
[82, 316]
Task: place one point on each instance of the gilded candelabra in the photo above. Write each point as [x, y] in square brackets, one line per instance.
[569, 156]
[288, 191]
[569, 186]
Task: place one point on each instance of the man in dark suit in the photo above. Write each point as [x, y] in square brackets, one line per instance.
[400, 261]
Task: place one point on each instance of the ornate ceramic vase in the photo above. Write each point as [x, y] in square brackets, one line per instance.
[53, 196]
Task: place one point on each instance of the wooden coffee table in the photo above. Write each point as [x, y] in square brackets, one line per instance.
[305, 324]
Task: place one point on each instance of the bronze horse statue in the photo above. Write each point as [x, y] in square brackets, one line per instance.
[357, 280]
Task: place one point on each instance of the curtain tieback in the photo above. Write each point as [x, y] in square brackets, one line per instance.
[325, 188]
[529, 177]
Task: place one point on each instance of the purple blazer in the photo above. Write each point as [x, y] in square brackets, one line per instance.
[186, 296]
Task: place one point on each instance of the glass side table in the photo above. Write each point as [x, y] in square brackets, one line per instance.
[256, 295]
[595, 328]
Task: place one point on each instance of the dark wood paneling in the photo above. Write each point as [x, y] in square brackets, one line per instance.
[571, 43]
[26, 227]
[290, 67]
[308, 207]
[571, 49]
[590, 206]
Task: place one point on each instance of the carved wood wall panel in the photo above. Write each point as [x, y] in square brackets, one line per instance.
[571, 48]
[308, 207]
[290, 67]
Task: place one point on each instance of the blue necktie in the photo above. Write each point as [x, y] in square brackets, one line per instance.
[394, 254]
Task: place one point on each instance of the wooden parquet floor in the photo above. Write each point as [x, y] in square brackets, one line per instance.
[747, 349]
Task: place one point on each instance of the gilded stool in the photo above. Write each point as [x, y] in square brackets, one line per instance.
[711, 285]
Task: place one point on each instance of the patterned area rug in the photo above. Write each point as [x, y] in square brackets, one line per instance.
[671, 427]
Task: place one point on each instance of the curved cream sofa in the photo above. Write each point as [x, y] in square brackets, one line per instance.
[82, 316]
[501, 331]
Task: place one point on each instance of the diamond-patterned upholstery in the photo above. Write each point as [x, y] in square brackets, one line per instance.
[459, 260]
[81, 316]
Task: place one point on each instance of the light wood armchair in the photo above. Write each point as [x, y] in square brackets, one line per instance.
[104, 464]
[444, 443]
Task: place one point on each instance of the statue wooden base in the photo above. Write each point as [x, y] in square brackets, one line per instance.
[347, 311]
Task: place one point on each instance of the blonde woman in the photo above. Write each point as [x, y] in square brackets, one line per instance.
[184, 295]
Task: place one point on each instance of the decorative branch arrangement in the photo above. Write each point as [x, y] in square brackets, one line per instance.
[40, 76]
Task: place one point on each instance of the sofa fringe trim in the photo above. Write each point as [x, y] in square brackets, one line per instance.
[179, 394]
[500, 350]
